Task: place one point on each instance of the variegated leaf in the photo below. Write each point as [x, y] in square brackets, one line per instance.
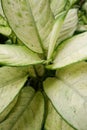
[54, 121]
[68, 93]
[27, 114]
[57, 6]
[11, 82]
[71, 51]
[32, 24]
[15, 55]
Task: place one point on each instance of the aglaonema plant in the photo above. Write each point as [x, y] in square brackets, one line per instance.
[43, 73]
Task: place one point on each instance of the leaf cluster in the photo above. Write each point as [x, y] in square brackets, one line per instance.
[43, 68]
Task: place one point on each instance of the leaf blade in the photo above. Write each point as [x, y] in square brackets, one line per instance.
[69, 26]
[71, 51]
[11, 80]
[55, 33]
[57, 6]
[32, 24]
[14, 55]
[4, 28]
[25, 115]
[70, 92]
[54, 120]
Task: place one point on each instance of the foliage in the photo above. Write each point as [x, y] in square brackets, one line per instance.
[43, 68]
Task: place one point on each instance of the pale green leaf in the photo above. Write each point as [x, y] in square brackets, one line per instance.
[14, 55]
[57, 6]
[26, 115]
[11, 82]
[54, 120]
[55, 33]
[64, 27]
[31, 20]
[69, 25]
[1, 10]
[71, 51]
[84, 6]
[4, 110]
[81, 27]
[4, 28]
[68, 93]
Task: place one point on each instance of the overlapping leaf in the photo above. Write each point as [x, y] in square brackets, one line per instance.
[72, 2]
[1, 10]
[81, 28]
[71, 51]
[64, 27]
[27, 114]
[68, 93]
[31, 21]
[14, 55]
[4, 28]
[55, 33]
[69, 26]
[11, 82]
[57, 6]
[54, 120]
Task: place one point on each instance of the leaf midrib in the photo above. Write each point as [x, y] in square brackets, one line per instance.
[38, 35]
[13, 80]
[22, 112]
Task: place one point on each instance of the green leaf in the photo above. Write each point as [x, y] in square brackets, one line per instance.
[84, 7]
[31, 71]
[81, 28]
[4, 28]
[27, 114]
[40, 70]
[31, 21]
[72, 2]
[14, 55]
[71, 51]
[11, 82]
[68, 93]
[57, 6]
[54, 120]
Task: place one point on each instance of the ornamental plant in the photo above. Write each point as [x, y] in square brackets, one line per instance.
[43, 68]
